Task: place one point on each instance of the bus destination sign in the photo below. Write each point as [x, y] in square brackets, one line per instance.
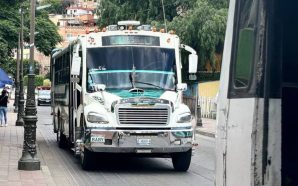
[130, 40]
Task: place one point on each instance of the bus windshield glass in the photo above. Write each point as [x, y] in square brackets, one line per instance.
[126, 67]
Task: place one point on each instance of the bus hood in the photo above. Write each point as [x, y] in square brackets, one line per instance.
[108, 98]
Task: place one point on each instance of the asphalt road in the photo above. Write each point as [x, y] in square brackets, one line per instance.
[65, 169]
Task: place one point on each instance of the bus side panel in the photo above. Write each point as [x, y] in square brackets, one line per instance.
[65, 111]
[274, 145]
[223, 102]
[239, 144]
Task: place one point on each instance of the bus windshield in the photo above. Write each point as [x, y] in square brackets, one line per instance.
[126, 67]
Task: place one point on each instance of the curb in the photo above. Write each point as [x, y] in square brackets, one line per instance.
[205, 133]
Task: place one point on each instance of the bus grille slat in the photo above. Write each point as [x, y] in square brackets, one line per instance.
[143, 116]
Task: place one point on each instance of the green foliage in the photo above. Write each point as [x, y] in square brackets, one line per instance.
[203, 28]
[9, 24]
[26, 65]
[199, 23]
[146, 11]
[45, 40]
[10, 66]
[47, 36]
[38, 80]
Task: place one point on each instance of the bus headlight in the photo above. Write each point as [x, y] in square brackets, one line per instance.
[184, 118]
[94, 117]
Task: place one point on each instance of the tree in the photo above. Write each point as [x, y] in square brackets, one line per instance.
[203, 28]
[10, 66]
[199, 23]
[9, 24]
[145, 11]
[38, 80]
[47, 36]
[45, 41]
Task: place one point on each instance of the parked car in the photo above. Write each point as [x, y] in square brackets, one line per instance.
[44, 97]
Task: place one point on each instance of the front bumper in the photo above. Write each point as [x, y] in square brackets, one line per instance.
[139, 141]
[43, 101]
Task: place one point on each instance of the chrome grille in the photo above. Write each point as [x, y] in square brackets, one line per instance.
[143, 116]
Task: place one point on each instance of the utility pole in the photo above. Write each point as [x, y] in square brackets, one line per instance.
[29, 160]
[21, 101]
[164, 16]
[17, 82]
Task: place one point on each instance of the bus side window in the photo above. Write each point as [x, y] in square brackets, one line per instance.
[243, 51]
[81, 69]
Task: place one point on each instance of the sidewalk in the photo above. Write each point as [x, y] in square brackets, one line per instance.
[52, 172]
[208, 128]
[11, 145]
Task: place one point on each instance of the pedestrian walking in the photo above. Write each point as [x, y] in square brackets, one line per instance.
[3, 108]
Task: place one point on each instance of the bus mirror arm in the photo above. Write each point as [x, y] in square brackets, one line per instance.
[192, 58]
[188, 48]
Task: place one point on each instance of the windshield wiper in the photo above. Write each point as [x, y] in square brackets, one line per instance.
[132, 77]
[145, 83]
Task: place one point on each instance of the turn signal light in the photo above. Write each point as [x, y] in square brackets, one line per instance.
[172, 32]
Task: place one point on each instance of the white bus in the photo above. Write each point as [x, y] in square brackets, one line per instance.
[120, 91]
[256, 137]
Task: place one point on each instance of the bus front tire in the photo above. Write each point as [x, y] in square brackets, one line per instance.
[86, 159]
[181, 160]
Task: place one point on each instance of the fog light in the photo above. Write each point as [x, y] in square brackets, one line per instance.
[177, 142]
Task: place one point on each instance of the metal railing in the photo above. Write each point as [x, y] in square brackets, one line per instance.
[208, 107]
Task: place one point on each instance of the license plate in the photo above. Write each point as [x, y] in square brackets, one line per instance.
[143, 141]
[98, 139]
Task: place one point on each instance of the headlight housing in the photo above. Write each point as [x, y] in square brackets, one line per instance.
[95, 117]
[184, 118]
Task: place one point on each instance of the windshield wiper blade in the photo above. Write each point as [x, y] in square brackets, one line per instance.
[145, 83]
[132, 77]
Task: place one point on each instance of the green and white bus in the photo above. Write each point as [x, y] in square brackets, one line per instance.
[120, 91]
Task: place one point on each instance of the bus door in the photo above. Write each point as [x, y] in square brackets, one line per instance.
[76, 87]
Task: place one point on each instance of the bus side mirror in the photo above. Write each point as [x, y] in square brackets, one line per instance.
[192, 62]
[181, 86]
[76, 65]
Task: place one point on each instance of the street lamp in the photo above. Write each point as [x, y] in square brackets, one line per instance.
[21, 101]
[29, 160]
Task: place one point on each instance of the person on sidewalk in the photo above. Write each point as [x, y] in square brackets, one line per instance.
[3, 107]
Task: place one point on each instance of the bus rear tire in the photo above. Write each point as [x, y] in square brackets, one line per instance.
[61, 139]
[181, 160]
[86, 159]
